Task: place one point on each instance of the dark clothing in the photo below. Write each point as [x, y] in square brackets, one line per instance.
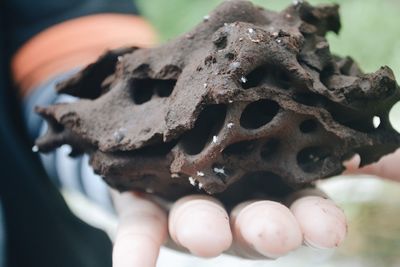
[26, 18]
[40, 229]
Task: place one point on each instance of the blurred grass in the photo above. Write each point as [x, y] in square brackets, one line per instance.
[374, 229]
[370, 28]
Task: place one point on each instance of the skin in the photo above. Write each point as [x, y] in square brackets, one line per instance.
[259, 229]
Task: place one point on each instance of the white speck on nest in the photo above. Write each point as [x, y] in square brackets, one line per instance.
[119, 58]
[314, 158]
[215, 139]
[275, 34]
[297, 2]
[174, 175]
[230, 125]
[200, 185]
[35, 148]
[376, 121]
[234, 65]
[253, 35]
[243, 79]
[206, 17]
[241, 39]
[200, 173]
[192, 181]
[119, 134]
[230, 101]
[225, 24]
[149, 190]
[205, 85]
[219, 170]
[278, 41]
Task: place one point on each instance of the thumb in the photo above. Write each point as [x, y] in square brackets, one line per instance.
[387, 167]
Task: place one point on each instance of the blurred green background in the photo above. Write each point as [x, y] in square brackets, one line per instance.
[371, 35]
[370, 28]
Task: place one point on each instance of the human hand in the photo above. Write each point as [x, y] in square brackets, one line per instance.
[388, 167]
[257, 229]
[202, 226]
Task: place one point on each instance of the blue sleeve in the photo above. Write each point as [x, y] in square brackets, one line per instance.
[66, 172]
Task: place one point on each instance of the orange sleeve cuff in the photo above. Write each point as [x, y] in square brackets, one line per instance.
[75, 43]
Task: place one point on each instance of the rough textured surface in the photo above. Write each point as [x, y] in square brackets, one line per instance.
[249, 103]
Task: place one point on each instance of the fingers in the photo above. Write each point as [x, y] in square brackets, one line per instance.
[264, 229]
[142, 231]
[322, 223]
[387, 167]
[201, 225]
[269, 229]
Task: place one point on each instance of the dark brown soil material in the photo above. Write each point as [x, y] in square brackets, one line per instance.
[250, 103]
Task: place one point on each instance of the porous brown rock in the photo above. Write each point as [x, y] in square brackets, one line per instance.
[250, 103]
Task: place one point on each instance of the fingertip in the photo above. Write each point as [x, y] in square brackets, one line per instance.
[352, 165]
[141, 232]
[201, 225]
[205, 244]
[138, 250]
[323, 224]
[269, 228]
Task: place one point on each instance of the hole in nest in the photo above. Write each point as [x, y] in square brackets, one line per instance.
[207, 127]
[258, 113]
[281, 79]
[54, 126]
[359, 122]
[269, 148]
[142, 90]
[240, 148]
[221, 40]
[308, 99]
[348, 67]
[255, 78]
[308, 126]
[210, 60]
[268, 76]
[310, 159]
[230, 56]
[325, 74]
[165, 87]
[142, 94]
